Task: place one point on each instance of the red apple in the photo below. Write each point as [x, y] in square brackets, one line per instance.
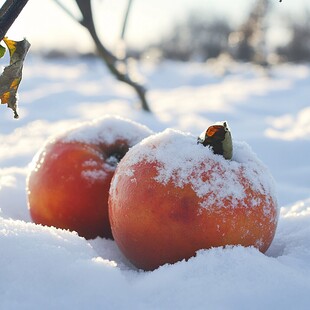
[68, 184]
[170, 197]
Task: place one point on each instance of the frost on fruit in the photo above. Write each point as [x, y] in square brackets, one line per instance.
[93, 175]
[180, 160]
[69, 180]
[107, 130]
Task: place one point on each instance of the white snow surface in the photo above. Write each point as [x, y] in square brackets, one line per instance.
[49, 268]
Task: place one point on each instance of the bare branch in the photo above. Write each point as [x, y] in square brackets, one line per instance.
[8, 13]
[88, 23]
[110, 60]
[126, 19]
[66, 10]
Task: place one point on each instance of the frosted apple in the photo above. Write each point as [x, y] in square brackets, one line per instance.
[170, 197]
[69, 179]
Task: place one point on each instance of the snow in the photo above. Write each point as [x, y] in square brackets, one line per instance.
[105, 133]
[107, 130]
[43, 267]
[179, 159]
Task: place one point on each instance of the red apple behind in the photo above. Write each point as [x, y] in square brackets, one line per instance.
[68, 184]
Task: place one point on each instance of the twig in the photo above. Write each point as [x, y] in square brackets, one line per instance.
[66, 10]
[8, 13]
[110, 59]
[126, 19]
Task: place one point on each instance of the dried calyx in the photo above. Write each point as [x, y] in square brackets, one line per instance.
[218, 137]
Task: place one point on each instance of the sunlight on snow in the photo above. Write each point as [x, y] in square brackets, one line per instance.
[289, 127]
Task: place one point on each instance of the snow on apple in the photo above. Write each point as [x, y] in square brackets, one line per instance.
[180, 197]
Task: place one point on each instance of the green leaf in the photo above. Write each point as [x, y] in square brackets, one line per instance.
[12, 74]
[2, 51]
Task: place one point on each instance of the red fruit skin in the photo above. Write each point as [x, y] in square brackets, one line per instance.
[154, 223]
[60, 195]
[69, 178]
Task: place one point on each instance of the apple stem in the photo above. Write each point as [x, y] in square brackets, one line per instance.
[218, 137]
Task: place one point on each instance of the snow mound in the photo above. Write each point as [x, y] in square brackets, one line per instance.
[44, 263]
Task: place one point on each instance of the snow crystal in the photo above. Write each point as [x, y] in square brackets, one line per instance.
[93, 175]
[90, 163]
[93, 171]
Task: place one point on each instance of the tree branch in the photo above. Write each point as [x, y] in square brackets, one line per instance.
[126, 19]
[8, 13]
[65, 9]
[110, 60]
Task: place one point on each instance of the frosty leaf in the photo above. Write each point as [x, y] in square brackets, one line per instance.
[2, 51]
[12, 74]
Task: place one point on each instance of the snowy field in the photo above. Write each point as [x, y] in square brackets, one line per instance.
[48, 268]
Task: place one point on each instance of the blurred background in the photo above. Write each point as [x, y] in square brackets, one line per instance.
[263, 31]
[190, 62]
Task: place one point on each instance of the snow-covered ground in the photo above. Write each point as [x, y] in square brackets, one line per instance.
[47, 268]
